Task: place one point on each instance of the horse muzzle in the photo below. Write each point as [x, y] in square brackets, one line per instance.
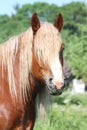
[55, 89]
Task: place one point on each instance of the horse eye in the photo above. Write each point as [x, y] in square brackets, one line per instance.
[63, 48]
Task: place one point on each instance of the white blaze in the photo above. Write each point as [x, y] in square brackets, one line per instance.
[57, 72]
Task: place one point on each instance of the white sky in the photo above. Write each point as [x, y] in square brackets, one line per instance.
[6, 6]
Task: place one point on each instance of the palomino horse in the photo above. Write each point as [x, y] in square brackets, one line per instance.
[29, 62]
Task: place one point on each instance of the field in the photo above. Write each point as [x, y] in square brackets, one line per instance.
[69, 114]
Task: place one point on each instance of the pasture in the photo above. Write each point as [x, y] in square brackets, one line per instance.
[69, 114]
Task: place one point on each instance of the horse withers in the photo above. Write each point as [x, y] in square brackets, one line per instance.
[29, 62]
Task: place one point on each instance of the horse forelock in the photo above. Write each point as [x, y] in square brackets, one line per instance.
[47, 43]
[20, 45]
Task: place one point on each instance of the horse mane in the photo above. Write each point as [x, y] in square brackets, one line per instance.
[22, 45]
[18, 45]
[6, 60]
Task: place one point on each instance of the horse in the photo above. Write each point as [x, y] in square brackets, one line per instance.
[29, 62]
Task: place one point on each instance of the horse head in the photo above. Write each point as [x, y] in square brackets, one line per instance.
[47, 58]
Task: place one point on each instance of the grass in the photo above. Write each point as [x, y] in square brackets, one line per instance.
[70, 116]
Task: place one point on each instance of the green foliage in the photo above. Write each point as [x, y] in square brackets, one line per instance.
[74, 33]
[64, 118]
[71, 115]
[71, 99]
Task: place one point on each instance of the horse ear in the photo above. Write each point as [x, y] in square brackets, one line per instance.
[35, 23]
[59, 22]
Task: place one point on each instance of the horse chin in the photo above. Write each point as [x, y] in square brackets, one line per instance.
[53, 90]
[56, 93]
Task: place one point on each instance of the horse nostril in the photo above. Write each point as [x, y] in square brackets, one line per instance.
[50, 80]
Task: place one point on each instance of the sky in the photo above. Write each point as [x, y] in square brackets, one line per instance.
[7, 6]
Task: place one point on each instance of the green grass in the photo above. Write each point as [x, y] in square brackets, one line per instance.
[71, 116]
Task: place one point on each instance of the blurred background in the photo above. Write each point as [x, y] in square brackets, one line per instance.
[69, 110]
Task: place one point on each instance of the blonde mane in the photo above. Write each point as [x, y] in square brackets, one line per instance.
[8, 53]
[22, 45]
